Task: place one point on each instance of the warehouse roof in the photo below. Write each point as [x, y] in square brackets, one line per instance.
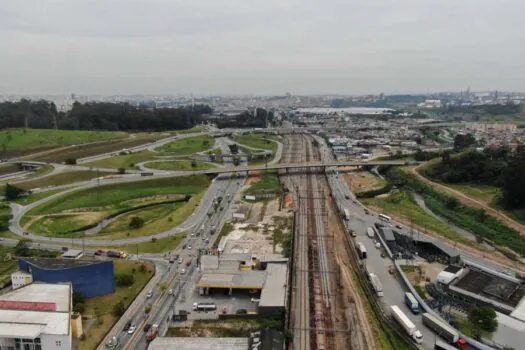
[38, 308]
[239, 279]
[180, 343]
[59, 264]
[274, 288]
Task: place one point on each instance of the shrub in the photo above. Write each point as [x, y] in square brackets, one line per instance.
[125, 280]
[70, 161]
[118, 309]
[136, 222]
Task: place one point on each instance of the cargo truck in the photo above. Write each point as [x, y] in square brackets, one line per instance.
[346, 214]
[376, 283]
[441, 328]
[362, 250]
[407, 324]
[412, 303]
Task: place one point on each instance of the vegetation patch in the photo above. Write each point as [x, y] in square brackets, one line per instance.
[402, 206]
[188, 146]
[180, 165]
[61, 179]
[102, 309]
[126, 160]
[226, 328]
[7, 169]
[260, 141]
[268, 183]
[17, 142]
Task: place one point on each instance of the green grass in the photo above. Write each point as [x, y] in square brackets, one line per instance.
[127, 161]
[483, 193]
[226, 229]
[38, 139]
[113, 195]
[401, 205]
[257, 141]
[61, 179]
[6, 169]
[188, 146]
[268, 182]
[81, 151]
[101, 307]
[7, 265]
[35, 197]
[179, 165]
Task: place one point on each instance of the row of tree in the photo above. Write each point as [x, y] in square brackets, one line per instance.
[493, 166]
[43, 114]
[248, 119]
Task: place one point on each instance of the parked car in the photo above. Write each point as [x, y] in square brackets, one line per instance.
[147, 327]
[170, 292]
[100, 252]
[150, 294]
[131, 329]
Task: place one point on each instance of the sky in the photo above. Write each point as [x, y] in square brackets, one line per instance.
[260, 46]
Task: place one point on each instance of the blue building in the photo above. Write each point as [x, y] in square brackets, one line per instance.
[91, 278]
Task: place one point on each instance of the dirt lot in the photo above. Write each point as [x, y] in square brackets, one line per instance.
[360, 181]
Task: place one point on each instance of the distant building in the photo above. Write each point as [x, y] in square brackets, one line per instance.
[36, 317]
[91, 278]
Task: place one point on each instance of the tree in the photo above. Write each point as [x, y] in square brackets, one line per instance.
[125, 280]
[513, 186]
[462, 141]
[136, 222]
[70, 161]
[78, 298]
[12, 192]
[121, 170]
[142, 268]
[118, 309]
[193, 163]
[483, 318]
[22, 247]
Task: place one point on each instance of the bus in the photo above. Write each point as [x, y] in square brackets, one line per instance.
[384, 218]
[204, 307]
[444, 330]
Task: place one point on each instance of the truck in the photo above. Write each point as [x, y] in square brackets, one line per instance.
[376, 284]
[407, 324]
[370, 232]
[204, 307]
[346, 214]
[362, 250]
[411, 302]
[152, 332]
[444, 330]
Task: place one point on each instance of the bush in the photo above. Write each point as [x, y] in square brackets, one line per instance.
[12, 192]
[121, 170]
[79, 307]
[70, 161]
[125, 280]
[118, 309]
[136, 222]
[142, 268]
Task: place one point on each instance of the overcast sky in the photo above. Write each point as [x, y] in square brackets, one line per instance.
[260, 46]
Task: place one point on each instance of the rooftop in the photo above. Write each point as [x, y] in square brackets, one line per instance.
[241, 279]
[452, 269]
[34, 309]
[59, 264]
[274, 288]
[58, 294]
[164, 343]
[72, 253]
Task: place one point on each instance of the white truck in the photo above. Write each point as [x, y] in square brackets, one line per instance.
[407, 324]
[370, 232]
[376, 284]
[346, 213]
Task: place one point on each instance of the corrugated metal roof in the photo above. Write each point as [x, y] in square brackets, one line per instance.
[27, 305]
[274, 288]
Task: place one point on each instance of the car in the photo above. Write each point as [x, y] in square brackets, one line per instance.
[180, 260]
[126, 327]
[189, 247]
[26, 233]
[383, 254]
[347, 196]
[188, 263]
[354, 201]
[150, 294]
[131, 329]
[182, 271]
[170, 292]
[184, 246]
[147, 327]
[378, 245]
[100, 252]
[366, 211]
[399, 226]
[255, 300]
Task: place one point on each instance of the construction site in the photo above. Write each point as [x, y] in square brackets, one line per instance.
[326, 311]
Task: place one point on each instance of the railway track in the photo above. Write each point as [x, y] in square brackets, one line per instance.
[311, 299]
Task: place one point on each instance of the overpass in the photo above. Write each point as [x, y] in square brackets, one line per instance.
[309, 166]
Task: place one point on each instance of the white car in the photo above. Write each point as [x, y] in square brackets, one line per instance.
[183, 271]
[131, 329]
[189, 247]
[180, 260]
[170, 292]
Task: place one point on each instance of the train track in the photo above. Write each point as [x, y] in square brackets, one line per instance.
[311, 299]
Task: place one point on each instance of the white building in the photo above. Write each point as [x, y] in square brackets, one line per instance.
[36, 317]
[20, 279]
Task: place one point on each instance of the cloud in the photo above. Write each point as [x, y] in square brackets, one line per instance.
[271, 46]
